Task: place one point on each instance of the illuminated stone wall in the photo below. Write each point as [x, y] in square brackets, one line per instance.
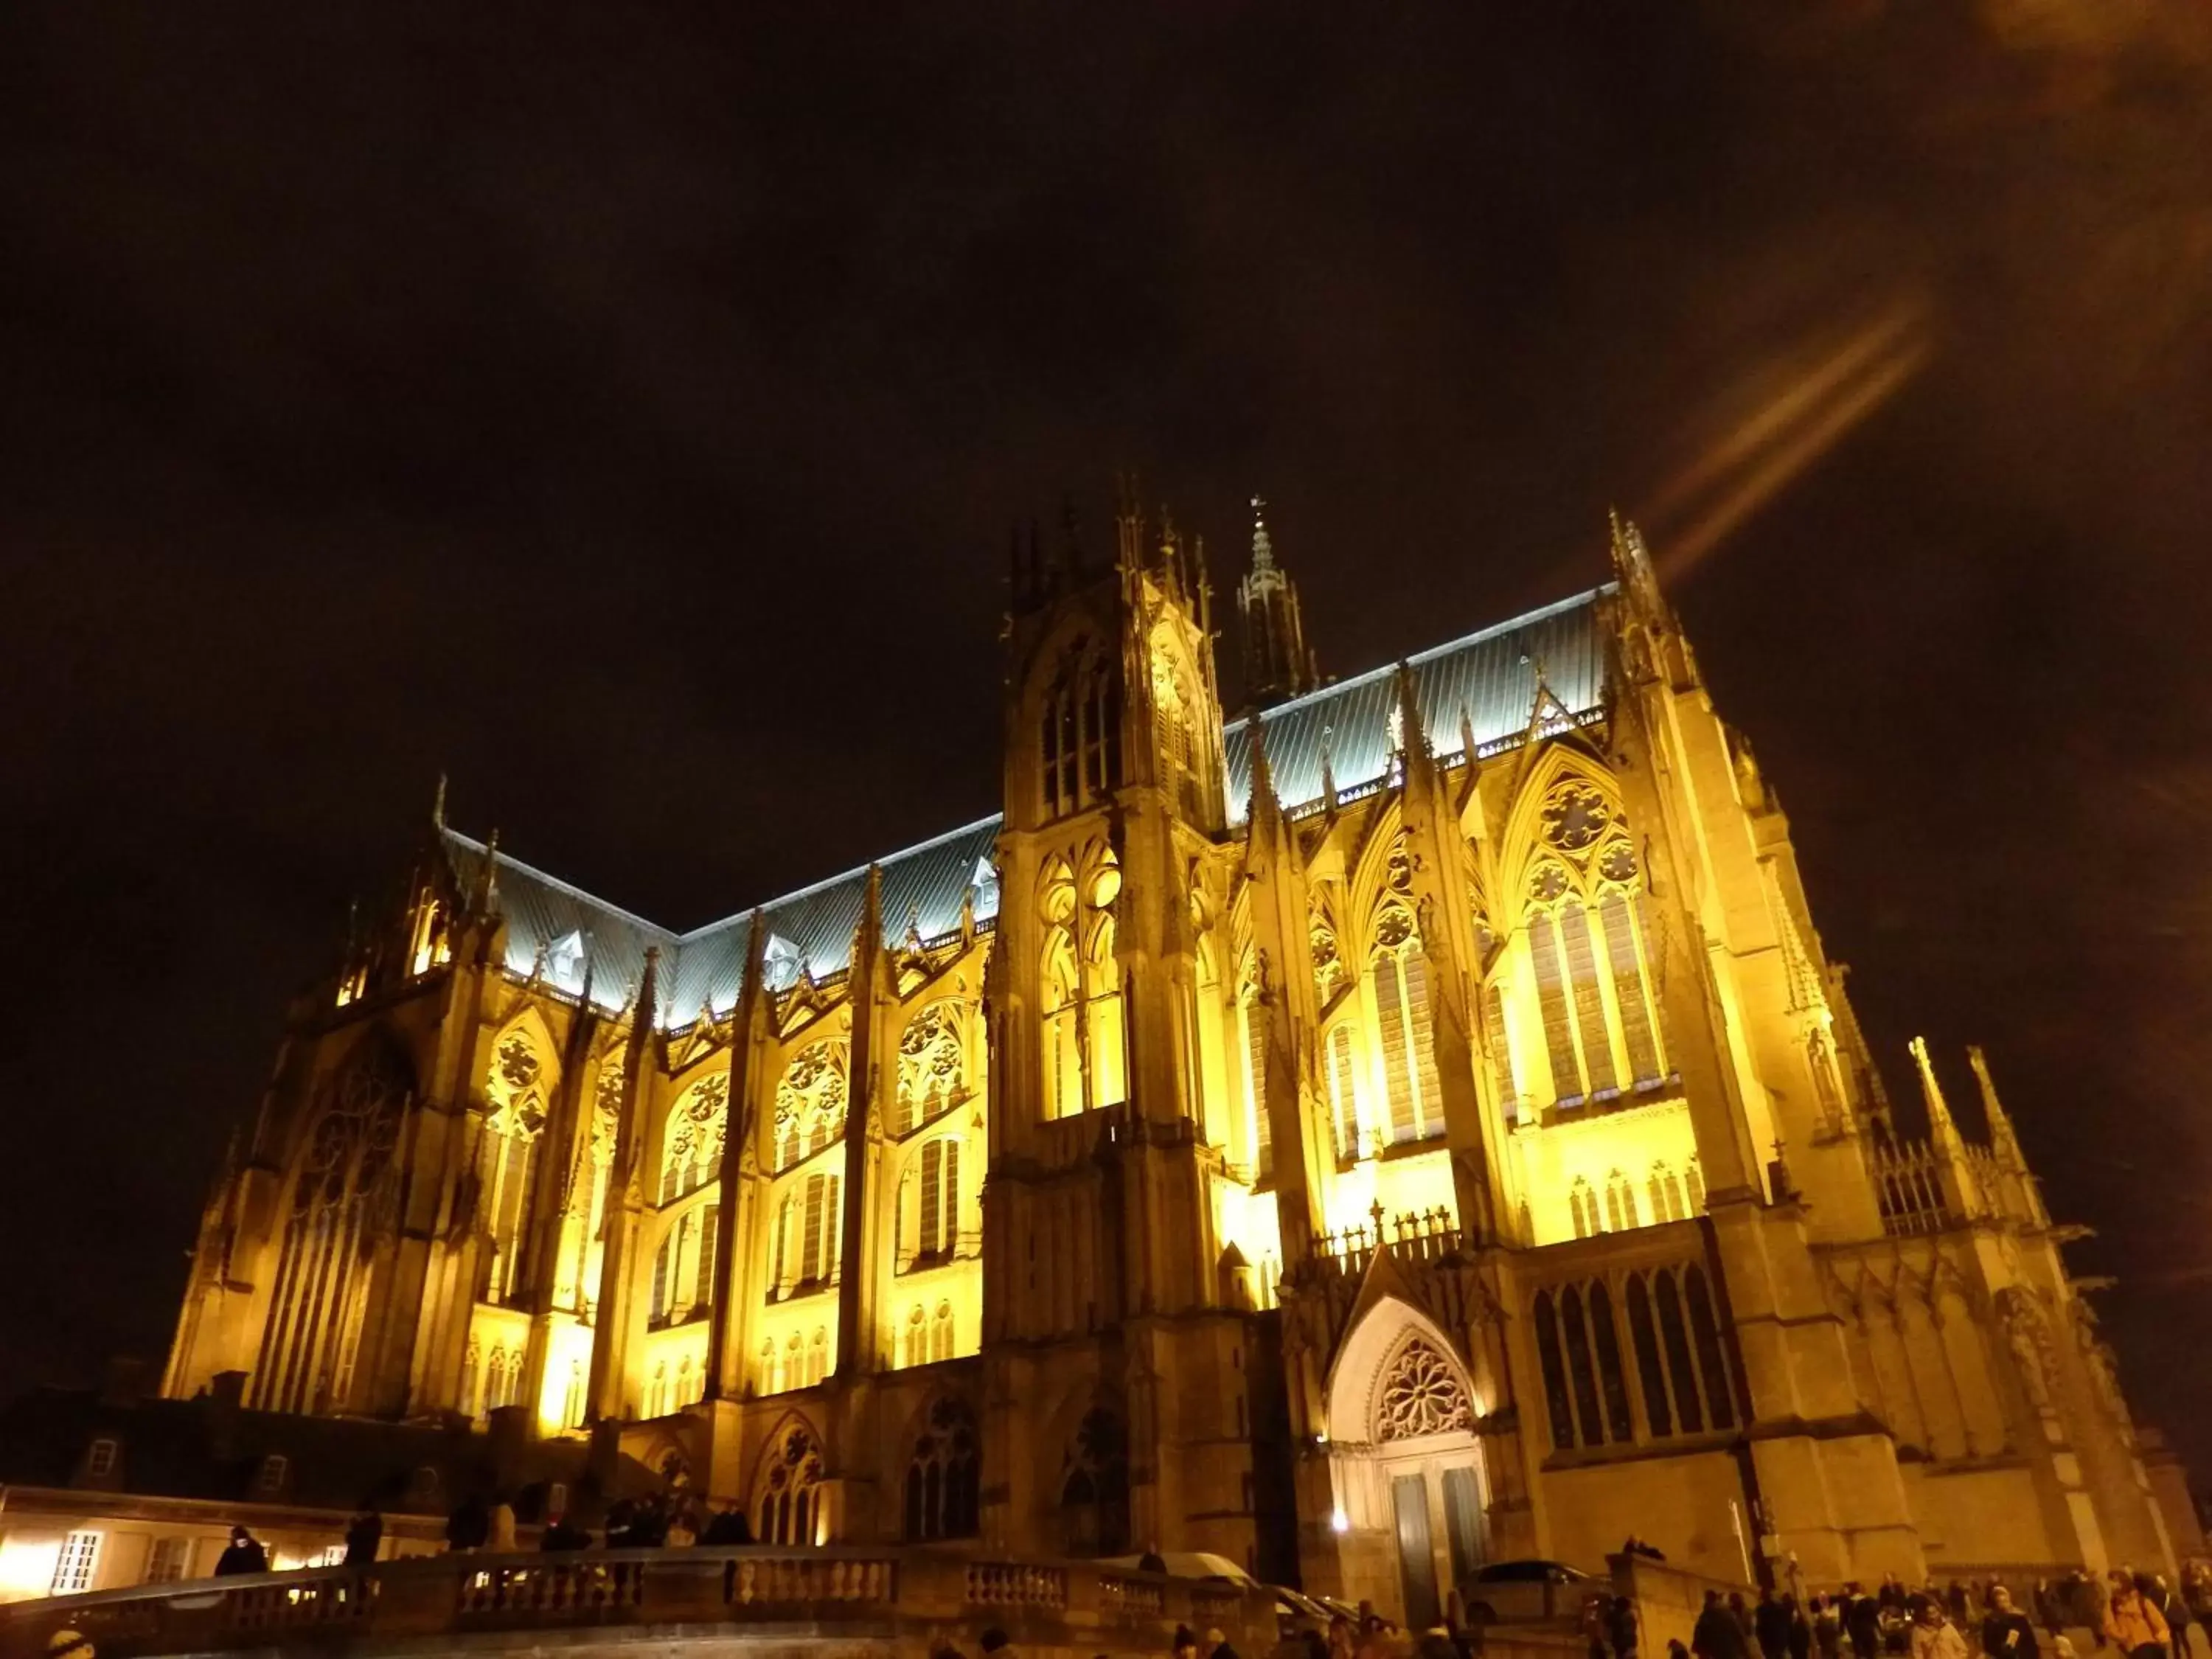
[1138, 1181]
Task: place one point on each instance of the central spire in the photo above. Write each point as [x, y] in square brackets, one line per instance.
[1278, 663]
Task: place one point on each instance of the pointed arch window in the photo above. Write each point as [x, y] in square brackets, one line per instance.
[1080, 750]
[1681, 1358]
[1578, 1350]
[1104, 1049]
[932, 1072]
[572, 1414]
[810, 1103]
[937, 1236]
[1581, 1199]
[817, 1356]
[1085, 1048]
[1094, 1488]
[817, 1252]
[507, 1160]
[1258, 1132]
[790, 1496]
[341, 1205]
[944, 1486]
[941, 1333]
[1343, 1091]
[697, 1125]
[1668, 1201]
[1063, 1011]
[1588, 949]
[1399, 972]
[1619, 1203]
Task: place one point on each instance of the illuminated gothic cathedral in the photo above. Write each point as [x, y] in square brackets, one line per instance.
[1412, 1123]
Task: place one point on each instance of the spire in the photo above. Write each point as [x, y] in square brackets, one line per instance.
[488, 877]
[1941, 1124]
[648, 995]
[438, 804]
[1278, 664]
[1263, 548]
[1632, 565]
[868, 937]
[1129, 528]
[2001, 1132]
[1266, 808]
[1412, 735]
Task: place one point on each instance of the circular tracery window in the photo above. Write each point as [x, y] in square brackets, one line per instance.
[1421, 1394]
[1575, 816]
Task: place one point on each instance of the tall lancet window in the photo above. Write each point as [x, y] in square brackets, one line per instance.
[1252, 1015]
[1590, 946]
[1105, 1047]
[343, 1203]
[1402, 1019]
[1079, 733]
[1085, 1048]
[507, 1162]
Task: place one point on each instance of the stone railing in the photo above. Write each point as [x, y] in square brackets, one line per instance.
[1415, 1236]
[889, 1601]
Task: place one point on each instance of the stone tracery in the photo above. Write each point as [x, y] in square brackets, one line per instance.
[1420, 1393]
[809, 1101]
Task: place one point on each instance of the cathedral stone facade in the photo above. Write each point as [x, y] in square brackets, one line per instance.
[1412, 1123]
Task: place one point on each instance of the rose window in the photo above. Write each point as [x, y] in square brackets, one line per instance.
[1575, 816]
[1421, 1394]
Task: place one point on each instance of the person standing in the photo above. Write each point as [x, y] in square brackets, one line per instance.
[468, 1526]
[2131, 1623]
[1801, 1627]
[1718, 1633]
[1862, 1621]
[1932, 1636]
[1770, 1627]
[2174, 1609]
[499, 1527]
[2007, 1632]
[1620, 1627]
[364, 1536]
[244, 1554]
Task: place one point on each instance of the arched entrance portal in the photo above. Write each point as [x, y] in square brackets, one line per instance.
[1411, 1491]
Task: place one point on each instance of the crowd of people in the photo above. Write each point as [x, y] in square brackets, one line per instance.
[2140, 1614]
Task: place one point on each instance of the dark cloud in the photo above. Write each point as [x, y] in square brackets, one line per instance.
[625, 410]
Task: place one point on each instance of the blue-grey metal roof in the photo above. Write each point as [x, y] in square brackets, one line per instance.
[552, 926]
[1491, 674]
[544, 915]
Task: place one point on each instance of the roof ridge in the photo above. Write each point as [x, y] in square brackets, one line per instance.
[1319, 695]
[828, 882]
[554, 881]
[1434, 653]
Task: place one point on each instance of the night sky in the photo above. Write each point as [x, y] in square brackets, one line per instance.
[624, 410]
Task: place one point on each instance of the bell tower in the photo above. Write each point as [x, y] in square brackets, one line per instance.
[1102, 1277]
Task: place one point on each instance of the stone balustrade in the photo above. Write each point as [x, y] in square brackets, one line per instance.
[891, 1600]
